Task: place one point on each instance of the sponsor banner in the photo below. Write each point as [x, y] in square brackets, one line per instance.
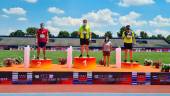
[22, 77]
[82, 77]
[141, 78]
[5, 77]
[160, 78]
[44, 78]
[64, 77]
[112, 78]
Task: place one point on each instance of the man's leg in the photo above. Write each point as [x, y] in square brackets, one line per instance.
[87, 50]
[131, 55]
[82, 50]
[38, 52]
[44, 52]
[125, 56]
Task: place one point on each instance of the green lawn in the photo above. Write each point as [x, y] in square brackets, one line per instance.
[138, 56]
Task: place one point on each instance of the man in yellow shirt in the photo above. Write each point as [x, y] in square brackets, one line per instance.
[85, 36]
[128, 37]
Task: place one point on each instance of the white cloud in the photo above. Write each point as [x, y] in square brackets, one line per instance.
[53, 30]
[127, 3]
[15, 11]
[64, 21]
[22, 19]
[163, 32]
[103, 17]
[131, 19]
[31, 1]
[55, 10]
[168, 1]
[5, 16]
[100, 19]
[160, 21]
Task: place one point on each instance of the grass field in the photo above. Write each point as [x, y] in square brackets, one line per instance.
[54, 55]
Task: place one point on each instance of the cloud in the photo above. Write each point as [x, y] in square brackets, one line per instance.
[160, 21]
[15, 11]
[31, 1]
[22, 19]
[127, 3]
[168, 1]
[131, 19]
[103, 17]
[5, 16]
[53, 30]
[163, 32]
[55, 10]
[100, 19]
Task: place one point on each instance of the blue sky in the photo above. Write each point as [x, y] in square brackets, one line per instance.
[151, 16]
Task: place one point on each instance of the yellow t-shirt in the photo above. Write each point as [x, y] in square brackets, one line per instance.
[128, 36]
[84, 31]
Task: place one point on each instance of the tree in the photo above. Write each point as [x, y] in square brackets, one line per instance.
[75, 34]
[31, 31]
[63, 34]
[94, 35]
[122, 29]
[109, 34]
[18, 33]
[143, 35]
[168, 38]
[160, 36]
[153, 37]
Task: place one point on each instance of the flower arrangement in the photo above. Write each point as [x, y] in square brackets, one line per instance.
[148, 62]
[8, 62]
[62, 61]
[165, 68]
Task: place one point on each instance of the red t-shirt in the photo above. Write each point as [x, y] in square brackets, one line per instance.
[42, 35]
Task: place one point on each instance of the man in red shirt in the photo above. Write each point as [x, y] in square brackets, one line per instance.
[42, 40]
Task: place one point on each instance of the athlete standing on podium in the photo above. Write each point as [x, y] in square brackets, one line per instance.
[128, 37]
[85, 36]
[41, 40]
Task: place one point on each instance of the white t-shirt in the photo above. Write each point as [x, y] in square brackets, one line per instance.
[106, 46]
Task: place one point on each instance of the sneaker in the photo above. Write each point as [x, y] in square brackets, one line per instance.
[88, 56]
[131, 61]
[125, 60]
[80, 55]
[38, 58]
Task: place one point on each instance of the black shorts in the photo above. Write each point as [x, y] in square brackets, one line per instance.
[128, 46]
[42, 44]
[84, 41]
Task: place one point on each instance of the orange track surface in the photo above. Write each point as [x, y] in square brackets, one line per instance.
[59, 68]
[84, 88]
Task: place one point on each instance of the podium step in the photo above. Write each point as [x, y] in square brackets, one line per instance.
[85, 63]
[40, 63]
[130, 65]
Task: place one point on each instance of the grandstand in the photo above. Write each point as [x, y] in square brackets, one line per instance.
[19, 42]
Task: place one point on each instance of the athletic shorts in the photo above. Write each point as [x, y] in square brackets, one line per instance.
[106, 53]
[42, 44]
[84, 41]
[128, 46]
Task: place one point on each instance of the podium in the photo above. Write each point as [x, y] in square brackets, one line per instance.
[130, 65]
[35, 63]
[84, 63]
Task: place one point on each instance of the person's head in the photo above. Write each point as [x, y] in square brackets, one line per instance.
[42, 25]
[85, 22]
[128, 28]
[107, 38]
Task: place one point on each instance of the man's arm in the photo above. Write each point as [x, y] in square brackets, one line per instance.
[134, 39]
[47, 36]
